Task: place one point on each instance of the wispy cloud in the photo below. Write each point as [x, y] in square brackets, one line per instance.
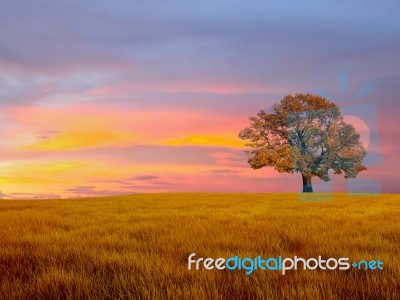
[102, 98]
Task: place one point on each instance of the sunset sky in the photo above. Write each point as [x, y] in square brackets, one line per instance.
[116, 97]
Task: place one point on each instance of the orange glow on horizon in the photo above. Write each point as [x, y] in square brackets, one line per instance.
[208, 139]
[89, 146]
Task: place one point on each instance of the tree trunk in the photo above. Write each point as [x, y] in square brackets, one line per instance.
[307, 186]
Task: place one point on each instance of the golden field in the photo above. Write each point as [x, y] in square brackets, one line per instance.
[137, 246]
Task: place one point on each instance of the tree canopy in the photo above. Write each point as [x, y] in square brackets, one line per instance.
[304, 134]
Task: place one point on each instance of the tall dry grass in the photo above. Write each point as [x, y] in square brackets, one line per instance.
[137, 246]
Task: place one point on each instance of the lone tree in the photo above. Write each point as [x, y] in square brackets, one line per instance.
[305, 134]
